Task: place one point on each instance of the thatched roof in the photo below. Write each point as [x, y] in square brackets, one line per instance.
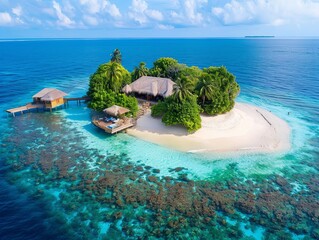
[151, 86]
[116, 110]
[49, 94]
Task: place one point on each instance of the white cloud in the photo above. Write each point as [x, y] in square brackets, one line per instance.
[272, 12]
[93, 6]
[139, 12]
[5, 18]
[112, 9]
[191, 13]
[100, 6]
[17, 10]
[191, 10]
[63, 20]
[154, 14]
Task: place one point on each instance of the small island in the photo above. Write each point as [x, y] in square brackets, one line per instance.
[256, 36]
[192, 109]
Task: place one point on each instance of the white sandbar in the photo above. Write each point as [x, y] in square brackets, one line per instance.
[246, 128]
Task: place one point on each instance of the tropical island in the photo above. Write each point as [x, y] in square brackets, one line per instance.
[192, 109]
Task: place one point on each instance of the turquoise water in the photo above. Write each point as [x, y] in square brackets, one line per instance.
[54, 165]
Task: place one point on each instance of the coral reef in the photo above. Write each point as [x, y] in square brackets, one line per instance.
[88, 190]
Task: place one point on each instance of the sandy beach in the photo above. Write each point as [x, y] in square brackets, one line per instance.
[246, 128]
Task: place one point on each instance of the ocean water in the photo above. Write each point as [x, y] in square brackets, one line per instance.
[53, 165]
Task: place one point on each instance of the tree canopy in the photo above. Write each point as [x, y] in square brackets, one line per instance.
[140, 71]
[106, 84]
[166, 67]
[110, 76]
[183, 89]
[221, 98]
[116, 56]
[185, 112]
[211, 90]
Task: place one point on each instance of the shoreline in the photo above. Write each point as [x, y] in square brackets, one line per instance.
[245, 129]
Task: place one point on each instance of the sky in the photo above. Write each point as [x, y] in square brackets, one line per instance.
[158, 18]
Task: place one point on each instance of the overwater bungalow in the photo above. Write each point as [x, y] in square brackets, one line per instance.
[50, 98]
[150, 88]
[47, 98]
[114, 120]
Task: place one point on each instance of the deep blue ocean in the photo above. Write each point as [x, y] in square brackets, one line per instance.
[280, 75]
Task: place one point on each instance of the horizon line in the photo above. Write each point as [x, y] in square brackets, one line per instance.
[270, 37]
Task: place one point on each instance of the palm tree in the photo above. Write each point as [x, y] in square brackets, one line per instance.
[116, 56]
[182, 89]
[140, 71]
[206, 87]
[113, 75]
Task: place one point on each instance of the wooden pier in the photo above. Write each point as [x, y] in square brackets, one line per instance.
[27, 108]
[77, 99]
[30, 106]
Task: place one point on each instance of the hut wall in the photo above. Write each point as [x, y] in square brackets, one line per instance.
[48, 104]
[57, 102]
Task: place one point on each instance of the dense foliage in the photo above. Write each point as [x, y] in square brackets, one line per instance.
[212, 90]
[106, 84]
[166, 67]
[110, 76]
[185, 112]
[140, 71]
[102, 99]
[215, 87]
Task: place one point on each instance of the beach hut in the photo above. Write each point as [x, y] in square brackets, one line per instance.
[112, 124]
[116, 110]
[150, 86]
[49, 97]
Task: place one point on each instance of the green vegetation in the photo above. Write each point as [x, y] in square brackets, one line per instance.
[106, 84]
[166, 67]
[103, 99]
[140, 71]
[176, 112]
[116, 56]
[224, 91]
[210, 90]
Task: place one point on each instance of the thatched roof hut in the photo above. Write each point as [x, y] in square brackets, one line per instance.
[49, 94]
[154, 86]
[116, 110]
[50, 97]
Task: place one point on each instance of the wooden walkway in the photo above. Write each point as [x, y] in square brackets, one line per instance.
[25, 108]
[77, 99]
[30, 106]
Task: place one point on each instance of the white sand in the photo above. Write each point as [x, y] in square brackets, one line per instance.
[242, 129]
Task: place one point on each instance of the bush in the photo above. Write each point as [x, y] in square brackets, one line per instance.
[159, 109]
[100, 81]
[185, 113]
[102, 99]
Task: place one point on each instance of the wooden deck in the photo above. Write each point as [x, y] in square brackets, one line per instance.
[118, 127]
[25, 108]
